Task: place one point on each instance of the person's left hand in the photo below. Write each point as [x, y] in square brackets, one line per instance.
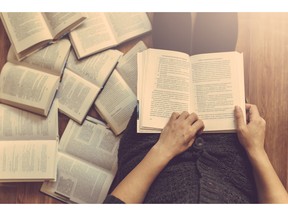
[179, 133]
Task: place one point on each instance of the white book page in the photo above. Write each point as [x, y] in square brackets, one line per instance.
[218, 85]
[92, 36]
[50, 59]
[76, 96]
[79, 182]
[127, 65]
[17, 124]
[60, 23]
[25, 87]
[26, 29]
[166, 86]
[28, 159]
[128, 25]
[91, 142]
[116, 103]
[95, 68]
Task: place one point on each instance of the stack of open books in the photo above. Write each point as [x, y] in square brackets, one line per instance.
[66, 62]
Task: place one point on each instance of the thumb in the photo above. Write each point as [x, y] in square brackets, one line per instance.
[239, 118]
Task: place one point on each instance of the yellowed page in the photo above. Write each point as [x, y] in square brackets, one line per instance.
[61, 23]
[116, 103]
[28, 160]
[76, 95]
[218, 85]
[50, 59]
[93, 36]
[27, 88]
[165, 82]
[25, 29]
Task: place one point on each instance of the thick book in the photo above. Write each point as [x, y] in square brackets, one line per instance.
[82, 81]
[106, 30]
[28, 145]
[208, 84]
[87, 163]
[31, 31]
[31, 84]
[117, 100]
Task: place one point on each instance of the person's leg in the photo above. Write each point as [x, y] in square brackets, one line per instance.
[133, 147]
[214, 32]
[195, 33]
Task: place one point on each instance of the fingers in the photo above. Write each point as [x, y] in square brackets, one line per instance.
[191, 121]
[197, 127]
[253, 113]
[183, 115]
[192, 118]
[240, 123]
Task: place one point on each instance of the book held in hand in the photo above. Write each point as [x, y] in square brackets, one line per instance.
[28, 145]
[32, 83]
[87, 163]
[106, 30]
[31, 31]
[208, 84]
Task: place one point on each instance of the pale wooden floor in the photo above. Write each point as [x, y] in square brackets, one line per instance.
[263, 38]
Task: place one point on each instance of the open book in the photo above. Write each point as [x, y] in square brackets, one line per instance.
[208, 84]
[28, 145]
[82, 81]
[32, 83]
[106, 30]
[87, 163]
[118, 99]
[29, 32]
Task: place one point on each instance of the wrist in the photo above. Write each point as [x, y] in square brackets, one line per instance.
[256, 154]
[162, 153]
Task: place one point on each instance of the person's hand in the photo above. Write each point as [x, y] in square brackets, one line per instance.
[252, 134]
[179, 134]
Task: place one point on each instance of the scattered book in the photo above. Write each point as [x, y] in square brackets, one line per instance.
[87, 163]
[82, 81]
[28, 145]
[106, 30]
[32, 83]
[207, 84]
[30, 31]
[127, 65]
[117, 100]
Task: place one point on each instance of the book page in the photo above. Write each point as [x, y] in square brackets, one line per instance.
[17, 124]
[25, 29]
[28, 160]
[93, 36]
[164, 83]
[128, 25]
[76, 96]
[78, 182]
[127, 65]
[116, 103]
[218, 85]
[50, 59]
[91, 142]
[27, 88]
[95, 68]
[62, 23]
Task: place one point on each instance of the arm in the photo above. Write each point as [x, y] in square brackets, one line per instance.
[252, 136]
[176, 137]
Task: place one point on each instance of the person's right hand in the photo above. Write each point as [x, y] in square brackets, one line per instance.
[252, 134]
[179, 134]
